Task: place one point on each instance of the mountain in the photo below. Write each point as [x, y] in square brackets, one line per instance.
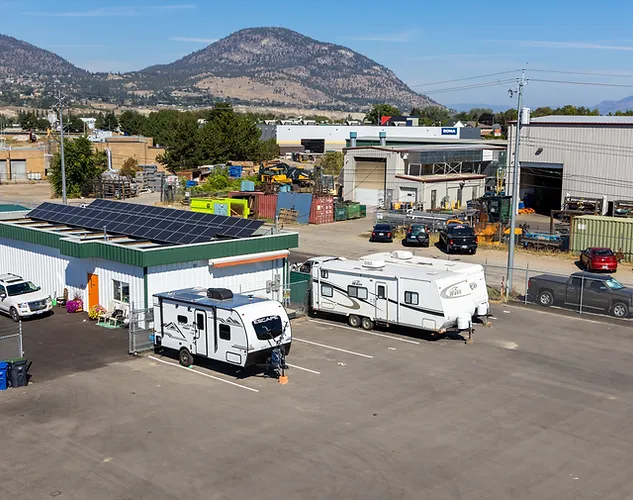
[606, 107]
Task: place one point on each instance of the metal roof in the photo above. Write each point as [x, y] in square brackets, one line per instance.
[583, 120]
[440, 177]
[435, 147]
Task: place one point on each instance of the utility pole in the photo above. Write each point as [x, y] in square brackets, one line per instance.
[515, 183]
[60, 109]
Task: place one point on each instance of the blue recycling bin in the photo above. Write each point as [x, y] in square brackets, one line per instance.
[3, 375]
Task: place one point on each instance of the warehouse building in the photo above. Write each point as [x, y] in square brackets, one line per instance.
[427, 176]
[323, 138]
[124, 253]
[578, 156]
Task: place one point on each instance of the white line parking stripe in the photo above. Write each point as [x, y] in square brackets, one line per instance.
[304, 369]
[363, 331]
[191, 370]
[334, 348]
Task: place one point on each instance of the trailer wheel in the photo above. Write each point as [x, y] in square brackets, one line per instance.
[354, 321]
[185, 357]
[545, 298]
[367, 324]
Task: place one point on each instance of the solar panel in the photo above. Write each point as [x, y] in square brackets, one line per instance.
[159, 224]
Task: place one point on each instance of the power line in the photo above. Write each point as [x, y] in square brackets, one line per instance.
[466, 87]
[464, 79]
[580, 73]
[598, 84]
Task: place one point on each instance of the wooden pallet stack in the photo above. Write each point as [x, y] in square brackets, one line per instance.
[288, 216]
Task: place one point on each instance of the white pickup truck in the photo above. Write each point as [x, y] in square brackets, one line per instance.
[20, 298]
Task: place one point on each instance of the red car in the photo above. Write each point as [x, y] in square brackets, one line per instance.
[599, 259]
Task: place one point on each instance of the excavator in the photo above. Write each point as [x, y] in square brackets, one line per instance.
[274, 175]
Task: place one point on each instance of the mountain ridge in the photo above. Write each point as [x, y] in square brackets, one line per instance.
[265, 65]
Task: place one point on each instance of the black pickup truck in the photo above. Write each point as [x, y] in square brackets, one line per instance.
[595, 292]
[458, 238]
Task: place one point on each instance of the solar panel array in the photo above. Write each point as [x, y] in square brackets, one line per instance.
[163, 225]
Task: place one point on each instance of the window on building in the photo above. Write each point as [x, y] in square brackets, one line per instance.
[357, 292]
[382, 292]
[411, 298]
[182, 319]
[327, 291]
[324, 273]
[121, 291]
[225, 332]
[415, 169]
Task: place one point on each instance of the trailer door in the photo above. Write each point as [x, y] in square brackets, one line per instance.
[202, 347]
[382, 302]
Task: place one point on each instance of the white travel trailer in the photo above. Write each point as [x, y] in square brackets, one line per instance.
[372, 292]
[474, 273]
[213, 323]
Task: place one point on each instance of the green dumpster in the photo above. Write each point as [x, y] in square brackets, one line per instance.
[363, 211]
[353, 211]
[340, 213]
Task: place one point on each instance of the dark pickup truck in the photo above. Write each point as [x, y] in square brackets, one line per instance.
[595, 292]
[458, 238]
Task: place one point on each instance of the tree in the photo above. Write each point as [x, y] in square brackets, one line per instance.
[83, 166]
[129, 167]
[379, 110]
[107, 122]
[133, 123]
[182, 147]
[268, 150]
[332, 162]
[72, 123]
[28, 121]
[432, 115]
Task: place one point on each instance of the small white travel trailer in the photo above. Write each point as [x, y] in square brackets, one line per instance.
[474, 273]
[213, 323]
[370, 292]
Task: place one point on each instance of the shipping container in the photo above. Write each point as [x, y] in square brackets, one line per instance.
[266, 206]
[247, 185]
[235, 171]
[232, 207]
[340, 213]
[615, 233]
[322, 210]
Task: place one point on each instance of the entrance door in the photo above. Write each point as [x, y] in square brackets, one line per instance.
[382, 303]
[433, 199]
[93, 290]
[202, 348]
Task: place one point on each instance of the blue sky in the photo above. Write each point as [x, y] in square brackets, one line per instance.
[420, 40]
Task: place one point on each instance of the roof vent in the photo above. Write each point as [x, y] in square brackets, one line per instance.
[219, 293]
[402, 255]
[373, 264]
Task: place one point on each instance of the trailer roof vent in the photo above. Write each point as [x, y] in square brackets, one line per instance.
[373, 264]
[402, 255]
[219, 293]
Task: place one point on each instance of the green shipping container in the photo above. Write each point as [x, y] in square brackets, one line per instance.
[340, 213]
[606, 232]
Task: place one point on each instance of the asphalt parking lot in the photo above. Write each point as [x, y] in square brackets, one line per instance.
[539, 406]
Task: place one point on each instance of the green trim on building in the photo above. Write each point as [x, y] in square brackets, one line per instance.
[149, 257]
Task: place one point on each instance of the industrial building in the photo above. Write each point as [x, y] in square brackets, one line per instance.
[110, 252]
[577, 156]
[426, 176]
[323, 138]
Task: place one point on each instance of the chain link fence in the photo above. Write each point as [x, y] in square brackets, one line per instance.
[581, 292]
[11, 342]
[141, 330]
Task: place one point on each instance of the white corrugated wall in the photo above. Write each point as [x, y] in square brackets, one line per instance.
[246, 278]
[53, 272]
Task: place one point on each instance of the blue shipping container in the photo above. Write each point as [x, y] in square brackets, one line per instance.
[191, 184]
[247, 186]
[235, 171]
[301, 202]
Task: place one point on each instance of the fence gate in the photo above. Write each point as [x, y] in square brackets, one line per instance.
[141, 330]
[11, 342]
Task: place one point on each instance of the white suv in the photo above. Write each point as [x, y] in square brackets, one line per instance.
[20, 298]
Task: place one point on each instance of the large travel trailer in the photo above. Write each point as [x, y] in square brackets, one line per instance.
[474, 273]
[213, 323]
[370, 292]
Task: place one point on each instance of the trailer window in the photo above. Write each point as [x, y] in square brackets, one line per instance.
[182, 319]
[382, 292]
[411, 298]
[200, 321]
[225, 332]
[268, 328]
[357, 292]
[324, 273]
[327, 291]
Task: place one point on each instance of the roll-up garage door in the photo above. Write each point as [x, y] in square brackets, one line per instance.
[370, 173]
[18, 170]
[4, 173]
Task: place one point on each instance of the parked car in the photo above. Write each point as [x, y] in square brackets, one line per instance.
[20, 298]
[458, 237]
[382, 232]
[597, 292]
[417, 235]
[599, 259]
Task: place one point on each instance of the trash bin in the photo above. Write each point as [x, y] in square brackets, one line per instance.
[17, 373]
[3, 375]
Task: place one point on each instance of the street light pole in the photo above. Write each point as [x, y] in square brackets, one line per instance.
[515, 187]
[60, 108]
